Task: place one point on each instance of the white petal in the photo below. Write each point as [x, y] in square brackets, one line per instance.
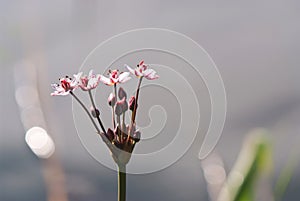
[98, 76]
[57, 87]
[106, 80]
[77, 76]
[74, 84]
[138, 72]
[54, 86]
[57, 93]
[130, 69]
[93, 82]
[91, 73]
[150, 74]
[123, 77]
[76, 81]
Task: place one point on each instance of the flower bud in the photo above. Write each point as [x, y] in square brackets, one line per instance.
[95, 112]
[122, 93]
[125, 105]
[131, 103]
[118, 108]
[110, 135]
[111, 99]
[136, 136]
[121, 107]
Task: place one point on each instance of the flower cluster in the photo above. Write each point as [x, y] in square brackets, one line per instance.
[67, 84]
[122, 137]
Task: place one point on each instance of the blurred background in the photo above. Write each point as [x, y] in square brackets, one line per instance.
[255, 45]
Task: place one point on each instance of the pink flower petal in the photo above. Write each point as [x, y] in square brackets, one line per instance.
[106, 80]
[150, 74]
[77, 78]
[57, 93]
[59, 90]
[93, 83]
[152, 77]
[141, 63]
[91, 73]
[124, 80]
[123, 77]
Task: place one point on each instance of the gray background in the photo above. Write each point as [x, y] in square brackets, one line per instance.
[255, 45]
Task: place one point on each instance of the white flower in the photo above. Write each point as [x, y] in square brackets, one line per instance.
[66, 85]
[115, 77]
[88, 82]
[142, 70]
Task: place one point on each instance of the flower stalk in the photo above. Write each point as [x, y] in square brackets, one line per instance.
[98, 114]
[122, 139]
[136, 101]
[86, 110]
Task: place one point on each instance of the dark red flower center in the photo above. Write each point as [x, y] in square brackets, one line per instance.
[66, 85]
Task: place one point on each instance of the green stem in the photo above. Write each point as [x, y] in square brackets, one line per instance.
[122, 183]
[98, 117]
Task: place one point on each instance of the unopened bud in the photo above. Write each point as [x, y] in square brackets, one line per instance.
[111, 99]
[95, 112]
[118, 108]
[132, 103]
[122, 94]
[110, 135]
[121, 107]
[137, 136]
[125, 105]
